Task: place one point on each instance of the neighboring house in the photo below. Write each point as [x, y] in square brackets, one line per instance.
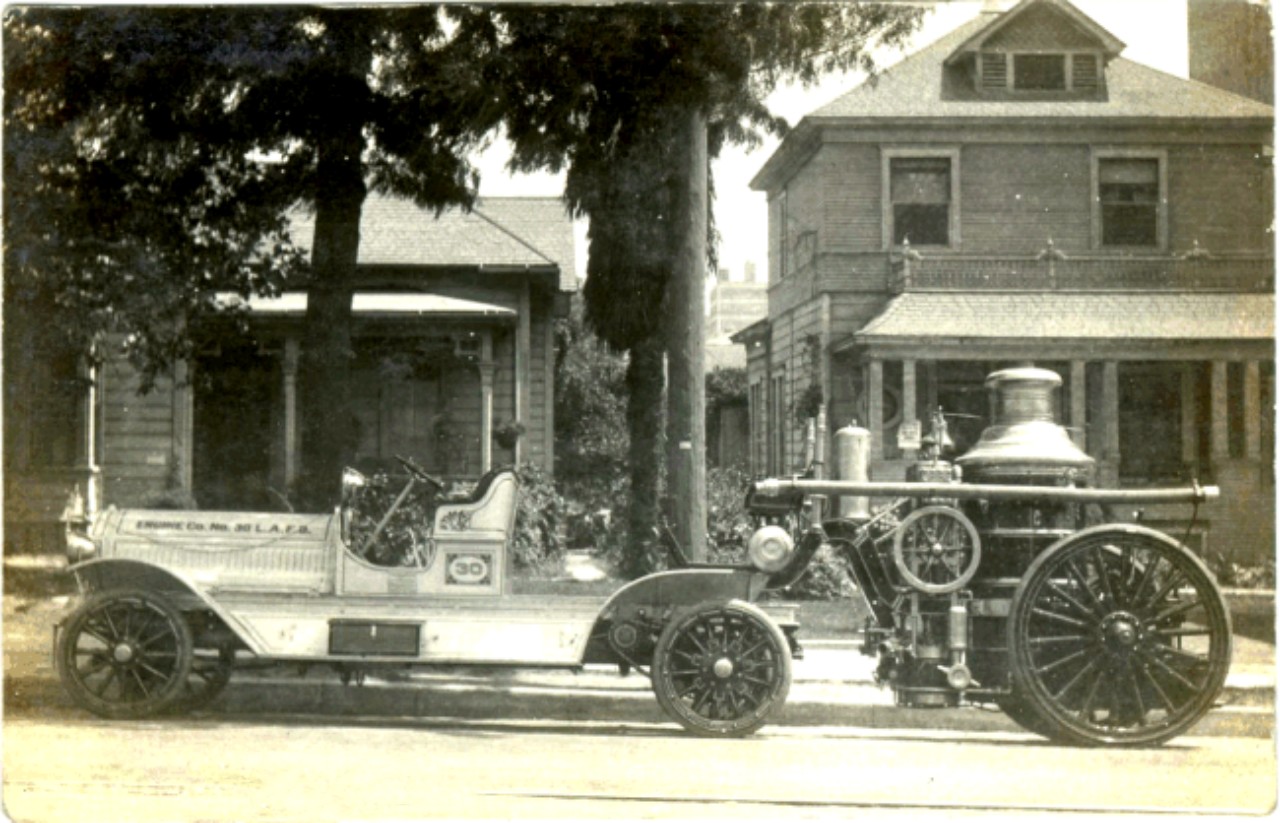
[1015, 192]
[453, 338]
[732, 305]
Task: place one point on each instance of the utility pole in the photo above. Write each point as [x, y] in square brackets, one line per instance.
[686, 348]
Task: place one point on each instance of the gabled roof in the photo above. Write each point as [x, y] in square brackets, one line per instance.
[916, 92]
[534, 232]
[998, 23]
[913, 89]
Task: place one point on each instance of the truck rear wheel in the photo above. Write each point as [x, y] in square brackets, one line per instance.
[125, 654]
[721, 669]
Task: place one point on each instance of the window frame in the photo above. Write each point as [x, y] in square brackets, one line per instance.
[887, 156]
[1103, 153]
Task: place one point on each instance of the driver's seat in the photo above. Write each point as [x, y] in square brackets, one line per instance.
[489, 508]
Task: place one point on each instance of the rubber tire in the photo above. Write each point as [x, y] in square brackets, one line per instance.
[170, 691]
[675, 708]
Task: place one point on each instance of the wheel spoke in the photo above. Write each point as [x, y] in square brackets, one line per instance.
[1086, 709]
[1160, 692]
[106, 681]
[1190, 657]
[1174, 611]
[97, 664]
[1169, 670]
[1060, 618]
[1080, 607]
[1148, 575]
[159, 674]
[1084, 584]
[1062, 661]
[141, 685]
[1137, 696]
[1169, 585]
[1076, 678]
[1059, 638]
[1103, 575]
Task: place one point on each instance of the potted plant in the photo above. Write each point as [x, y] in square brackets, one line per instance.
[507, 433]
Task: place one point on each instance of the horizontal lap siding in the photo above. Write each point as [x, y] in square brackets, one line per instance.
[1013, 198]
[137, 436]
[1222, 196]
[537, 416]
[850, 177]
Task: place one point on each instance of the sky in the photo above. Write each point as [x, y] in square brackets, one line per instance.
[1154, 31]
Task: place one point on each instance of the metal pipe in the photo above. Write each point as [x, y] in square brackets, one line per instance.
[978, 491]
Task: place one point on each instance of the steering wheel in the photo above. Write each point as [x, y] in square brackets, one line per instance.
[418, 472]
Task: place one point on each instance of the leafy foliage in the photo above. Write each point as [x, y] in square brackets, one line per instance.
[406, 538]
[540, 517]
[590, 415]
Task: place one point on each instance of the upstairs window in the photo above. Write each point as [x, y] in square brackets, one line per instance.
[920, 191]
[1129, 198]
[1040, 72]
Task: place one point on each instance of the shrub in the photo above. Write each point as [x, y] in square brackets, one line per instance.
[540, 517]
[730, 525]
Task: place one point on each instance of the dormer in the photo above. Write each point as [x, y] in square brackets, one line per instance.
[1037, 50]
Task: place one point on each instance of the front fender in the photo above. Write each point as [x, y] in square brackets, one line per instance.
[106, 573]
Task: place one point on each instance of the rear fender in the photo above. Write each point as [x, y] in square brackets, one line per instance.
[105, 574]
[654, 598]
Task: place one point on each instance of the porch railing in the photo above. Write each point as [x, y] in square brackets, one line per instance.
[1051, 270]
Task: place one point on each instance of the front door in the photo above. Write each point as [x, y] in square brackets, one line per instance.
[237, 429]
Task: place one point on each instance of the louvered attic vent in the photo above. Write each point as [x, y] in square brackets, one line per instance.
[995, 71]
[1084, 71]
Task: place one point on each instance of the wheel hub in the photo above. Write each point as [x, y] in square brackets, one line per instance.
[1121, 632]
[722, 668]
[123, 653]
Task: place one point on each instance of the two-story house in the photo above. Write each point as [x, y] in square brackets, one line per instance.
[453, 342]
[1019, 192]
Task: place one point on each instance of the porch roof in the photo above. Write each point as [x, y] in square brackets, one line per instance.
[377, 304]
[534, 233]
[1041, 316]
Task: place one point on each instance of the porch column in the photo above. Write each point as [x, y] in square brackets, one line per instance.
[86, 448]
[183, 424]
[290, 369]
[1219, 436]
[524, 346]
[1078, 419]
[909, 397]
[1190, 432]
[875, 407]
[930, 387]
[487, 368]
[1252, 410]
[1110, 423]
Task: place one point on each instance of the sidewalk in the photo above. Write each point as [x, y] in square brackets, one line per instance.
[832, 685]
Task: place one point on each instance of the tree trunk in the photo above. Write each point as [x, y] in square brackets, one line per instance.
[329, 428]
[686, 344]
[644, 423]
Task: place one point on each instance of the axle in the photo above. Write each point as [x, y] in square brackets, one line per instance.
[977, 491]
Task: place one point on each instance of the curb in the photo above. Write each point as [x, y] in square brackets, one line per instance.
[809, 706]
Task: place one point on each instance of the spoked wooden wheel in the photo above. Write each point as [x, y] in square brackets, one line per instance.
[125, 654]
[1118, 636]
[936, 549]
[721, 669]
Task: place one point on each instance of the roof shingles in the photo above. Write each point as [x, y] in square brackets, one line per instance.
[1060, 315]
[499, 231]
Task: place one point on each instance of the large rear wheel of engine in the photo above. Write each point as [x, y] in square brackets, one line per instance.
[1118, 636]
[125, 654]
[721, 669]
